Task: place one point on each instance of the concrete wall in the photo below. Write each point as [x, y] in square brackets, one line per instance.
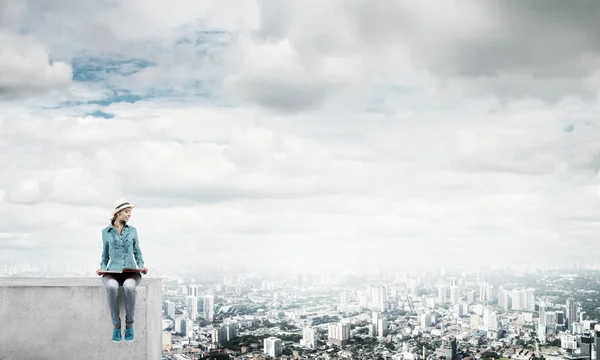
[68, 318]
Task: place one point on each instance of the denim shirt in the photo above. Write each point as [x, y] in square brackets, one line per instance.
[120, 249]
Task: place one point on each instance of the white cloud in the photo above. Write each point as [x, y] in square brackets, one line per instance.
[231, 183]
[25, 67]
[400, 134]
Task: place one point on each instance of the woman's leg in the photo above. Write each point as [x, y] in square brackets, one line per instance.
[112, 290]
[129, 292]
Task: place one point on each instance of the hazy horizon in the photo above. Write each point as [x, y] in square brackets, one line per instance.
[310, 134]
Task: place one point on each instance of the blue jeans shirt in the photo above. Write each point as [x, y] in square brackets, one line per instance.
[122, 250]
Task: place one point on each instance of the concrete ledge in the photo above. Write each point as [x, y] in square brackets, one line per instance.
[68, 318]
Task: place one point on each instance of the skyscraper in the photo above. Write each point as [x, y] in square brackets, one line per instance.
[442, 294]
[504, 300]
[193, 290]
[338, 334]
[449, 348]
[378, 298]
[454, 295]
[170, 308]
[192, 307]
[484, 291]
[529, 303]
[209, 308]
[344, 298]
[309, 337]
[273, 347]
[571, 310]
[516, 299]
[597, 344]
[471, 297]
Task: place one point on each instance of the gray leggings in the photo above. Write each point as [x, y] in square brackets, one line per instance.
[129, 281]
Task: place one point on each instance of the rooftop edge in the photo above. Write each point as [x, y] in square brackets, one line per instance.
[62, 282]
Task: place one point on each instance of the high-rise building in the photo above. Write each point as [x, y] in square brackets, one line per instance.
[231, 331]
[170, 308]
[529, 303]
[378, 298]
[442, 290]
[338, 334]
[577, 328]
[382, 327]
[273, 347]
[309, 337]
[413, 285]
[571, 312]
[597, 344]
[474, 322]
[425, 320]
[178, 327]
[209, 308]
[344, 298]
[461, 309]
[517, 299]
[192, 307]
[560, 320]
[219, 336]
[471, 296]
[568, 341]
[454, 295]
[542, 315]
[504, 298]
[586, 345]
[484, 292]
[375, 316]
[224, 333]
[187, 327]
[493, 321]
[193, 290]
[550, 318]
[449, 348]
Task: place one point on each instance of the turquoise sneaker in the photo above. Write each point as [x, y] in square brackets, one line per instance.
[116, 337]
[129, 334]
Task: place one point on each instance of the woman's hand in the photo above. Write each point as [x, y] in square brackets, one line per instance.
[144, 270]
[98, 272]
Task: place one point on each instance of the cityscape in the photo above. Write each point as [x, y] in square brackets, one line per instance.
[524, 313]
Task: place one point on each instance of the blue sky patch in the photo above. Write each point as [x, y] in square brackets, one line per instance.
[99, 69]
[101, 114]
[569, 128]
[117, 97]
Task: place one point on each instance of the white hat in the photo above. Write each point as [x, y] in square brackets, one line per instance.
[120, 205]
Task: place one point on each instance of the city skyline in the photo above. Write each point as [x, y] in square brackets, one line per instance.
[317, 134]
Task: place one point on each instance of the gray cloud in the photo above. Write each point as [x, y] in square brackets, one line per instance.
[511, 49]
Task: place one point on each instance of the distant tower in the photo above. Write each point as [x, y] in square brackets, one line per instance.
[193, 290]
[571, 308]
[192, 307]
[449, 348]
[209, 308]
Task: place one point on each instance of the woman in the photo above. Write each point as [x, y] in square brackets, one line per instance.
[121, 246]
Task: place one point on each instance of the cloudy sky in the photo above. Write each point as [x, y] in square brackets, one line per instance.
[302, 133]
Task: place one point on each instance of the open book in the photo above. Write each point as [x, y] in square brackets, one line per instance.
[125, 270]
